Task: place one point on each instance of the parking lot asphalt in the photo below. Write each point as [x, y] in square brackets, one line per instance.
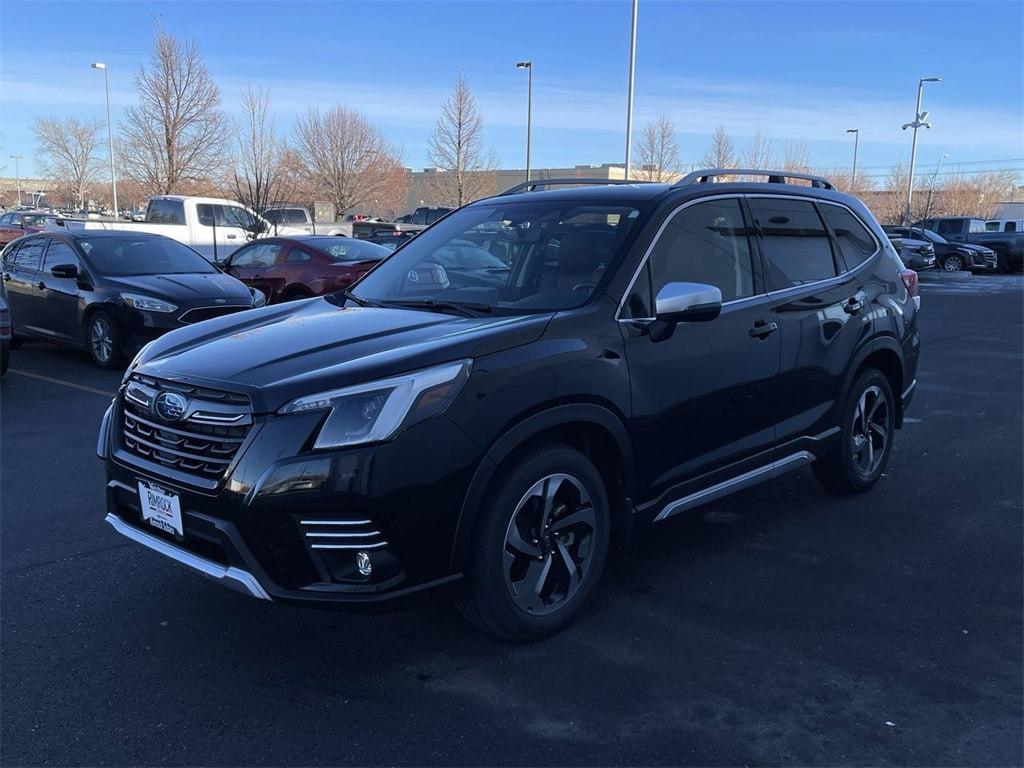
[780, 625]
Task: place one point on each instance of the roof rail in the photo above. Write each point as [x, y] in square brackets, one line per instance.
[531, 186]
[774, 177]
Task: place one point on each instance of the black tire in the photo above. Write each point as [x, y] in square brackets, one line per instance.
[295, 294]
[492, 603]
[953, 263]
[847, 469]
[105, 354]
[5, 356]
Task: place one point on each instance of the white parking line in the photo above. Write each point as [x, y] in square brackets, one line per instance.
[71, 384]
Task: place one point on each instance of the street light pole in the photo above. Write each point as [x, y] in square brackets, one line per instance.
[629, 98]
[856, 141]
[528, 66]
[17, 176]
[920, 120]
[110, 132]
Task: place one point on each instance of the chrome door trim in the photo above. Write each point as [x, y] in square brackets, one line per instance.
[747, 479]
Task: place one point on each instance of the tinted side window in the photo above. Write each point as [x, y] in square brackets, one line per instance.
[59, 253]
[298, 256]
[11, 255]
[30, 255]
[706, 243]
[166, 212]
[948, 227]
[795, 239]
[855, 242]
[260, 255]
[1011, 226]
[640, 303]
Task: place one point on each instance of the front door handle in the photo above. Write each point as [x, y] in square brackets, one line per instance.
[232, 237]
[7, 277]
[41, 286]
[762, 330]
[853, 306]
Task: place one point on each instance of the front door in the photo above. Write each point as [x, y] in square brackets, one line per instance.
[703, 397]
[254, 264]
[60, 295]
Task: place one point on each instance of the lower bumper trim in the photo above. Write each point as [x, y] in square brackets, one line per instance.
[228, 575]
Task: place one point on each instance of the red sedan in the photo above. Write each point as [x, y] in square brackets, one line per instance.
[288, 268]
[14, 224]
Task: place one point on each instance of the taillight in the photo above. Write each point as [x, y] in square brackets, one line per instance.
[910, 280]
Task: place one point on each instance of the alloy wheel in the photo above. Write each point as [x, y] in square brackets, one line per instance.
[549, 544]
[870, 433]
[101, 339]
[952, 264]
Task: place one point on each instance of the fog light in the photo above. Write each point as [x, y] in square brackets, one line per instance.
[363, 564]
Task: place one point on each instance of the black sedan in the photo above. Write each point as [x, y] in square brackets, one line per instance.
[111, 292]
[951, 257]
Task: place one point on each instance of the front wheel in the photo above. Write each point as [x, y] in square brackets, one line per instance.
[104, 340]
[540, 545]
[867, 430]
[953, 263]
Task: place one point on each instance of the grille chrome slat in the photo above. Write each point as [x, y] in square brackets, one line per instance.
[352, 532]
[205, 450]
[355, 535]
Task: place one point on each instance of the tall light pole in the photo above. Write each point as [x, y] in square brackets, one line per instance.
[110, 132]
[920, 120]
[528, 66]
[17, 176]
[856, 141]
[629, 98]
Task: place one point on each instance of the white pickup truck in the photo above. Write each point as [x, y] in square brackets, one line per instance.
[295, 217]
[209, 225]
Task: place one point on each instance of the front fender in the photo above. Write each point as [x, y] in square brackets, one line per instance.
[523, 431]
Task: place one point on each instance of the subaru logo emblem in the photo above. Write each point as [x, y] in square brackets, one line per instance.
[170, 406]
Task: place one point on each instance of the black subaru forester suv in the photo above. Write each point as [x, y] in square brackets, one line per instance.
[500, 401]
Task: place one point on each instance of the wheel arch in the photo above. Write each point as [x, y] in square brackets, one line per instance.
[883, 353]
[594, 430]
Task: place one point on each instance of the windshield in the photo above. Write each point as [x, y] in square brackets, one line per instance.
[517, 257]
[33, 219]
[128, 255]
[927, 234]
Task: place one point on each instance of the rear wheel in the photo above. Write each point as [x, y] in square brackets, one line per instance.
[295, 294]
[540, 545]
[104, 340]
[866, 433]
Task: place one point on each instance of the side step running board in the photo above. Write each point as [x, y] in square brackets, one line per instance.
[747, 479]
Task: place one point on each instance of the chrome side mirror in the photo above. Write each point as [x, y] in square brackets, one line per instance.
[688, 303]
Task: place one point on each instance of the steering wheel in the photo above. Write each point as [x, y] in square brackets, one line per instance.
[582, 286]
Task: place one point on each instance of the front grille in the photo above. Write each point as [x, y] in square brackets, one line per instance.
[349, 532]
[206, 313]
[203, 442]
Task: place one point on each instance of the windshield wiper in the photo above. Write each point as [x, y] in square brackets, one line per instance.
[361, 302]
[467, 308]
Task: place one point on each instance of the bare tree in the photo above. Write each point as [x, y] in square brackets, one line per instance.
[465, 167]
[67, 152]
[346, 158]
[760, 152]
[657, 151]
[260, 177]
[723, 151]
[796, 157]
[177, 133]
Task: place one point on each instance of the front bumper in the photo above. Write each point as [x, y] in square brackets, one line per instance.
[287, 525]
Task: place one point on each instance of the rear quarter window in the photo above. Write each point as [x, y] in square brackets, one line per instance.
[856, 245]
[796, 241]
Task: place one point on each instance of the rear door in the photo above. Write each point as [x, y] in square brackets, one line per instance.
[702, 397]
[60, 300]
[820, 305]
[23, 279]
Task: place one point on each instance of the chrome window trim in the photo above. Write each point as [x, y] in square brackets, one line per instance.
[782, 292]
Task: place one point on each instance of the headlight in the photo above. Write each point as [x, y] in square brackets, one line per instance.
[147, 303]
[368, 413]
[259, 298]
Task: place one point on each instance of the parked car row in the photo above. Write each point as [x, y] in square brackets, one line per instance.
[950, 257]
[1007, 245]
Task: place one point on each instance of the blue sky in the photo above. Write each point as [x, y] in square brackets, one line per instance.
[802, 71]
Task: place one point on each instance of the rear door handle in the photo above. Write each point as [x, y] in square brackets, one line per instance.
[41, 286]
[762, 330]
[232, 237]
[853, 306]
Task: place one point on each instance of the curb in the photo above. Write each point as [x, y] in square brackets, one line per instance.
[940, 276]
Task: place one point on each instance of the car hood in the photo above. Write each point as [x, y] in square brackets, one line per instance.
[277, 353]
[183, 288]
[973, 248]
